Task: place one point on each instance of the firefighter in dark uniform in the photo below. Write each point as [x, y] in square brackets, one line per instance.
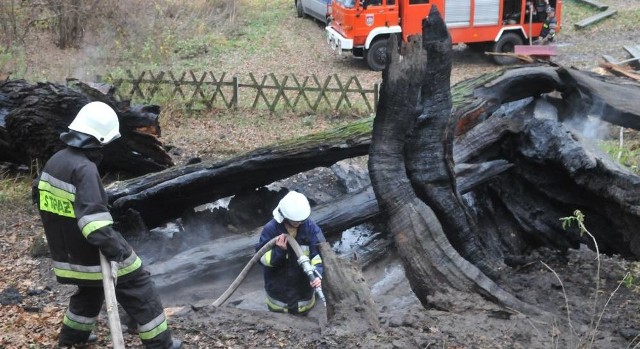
[78, 225]
[287, 286]
[548, 32]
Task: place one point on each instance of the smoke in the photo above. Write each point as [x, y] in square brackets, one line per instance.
[220, 203]
[91, 56]
[590, 124]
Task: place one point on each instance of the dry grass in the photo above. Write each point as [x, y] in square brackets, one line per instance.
[219, 134]
[16, 209]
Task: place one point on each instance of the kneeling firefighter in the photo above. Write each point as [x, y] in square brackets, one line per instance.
[289, 289]
[78, 226]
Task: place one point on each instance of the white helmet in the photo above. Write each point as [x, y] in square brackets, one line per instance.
[98, 120]
[293, 206]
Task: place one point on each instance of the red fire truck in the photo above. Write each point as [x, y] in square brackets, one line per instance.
[364, 26]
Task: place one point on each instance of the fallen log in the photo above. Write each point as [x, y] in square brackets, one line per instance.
[32, 116]
[182, 188]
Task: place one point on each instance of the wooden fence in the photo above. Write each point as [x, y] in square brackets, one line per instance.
[198, 91]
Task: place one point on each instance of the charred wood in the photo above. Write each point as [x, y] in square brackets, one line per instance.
[32, 116]
[590, 95]
[431, 263]
[182, 188]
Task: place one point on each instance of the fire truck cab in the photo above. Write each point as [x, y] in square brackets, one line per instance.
[364, 26]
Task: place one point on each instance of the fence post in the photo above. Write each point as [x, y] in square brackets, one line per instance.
[235, 97]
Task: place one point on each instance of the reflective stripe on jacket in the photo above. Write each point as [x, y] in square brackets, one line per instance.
[549, 28]
[77, 222]
[286, 284]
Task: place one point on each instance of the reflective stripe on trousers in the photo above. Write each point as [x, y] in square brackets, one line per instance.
[281, 307]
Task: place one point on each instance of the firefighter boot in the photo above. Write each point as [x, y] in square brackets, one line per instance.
[65, 344]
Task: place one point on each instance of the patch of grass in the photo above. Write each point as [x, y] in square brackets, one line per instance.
[629, 19]
[12, 61]
[222, 133]
[574, 11]
[14, 189]
[627, 155]
[15, 201]
[632, 280]
[266, 15]
[213, 30]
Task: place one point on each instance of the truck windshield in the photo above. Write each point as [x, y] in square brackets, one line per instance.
[347, 3]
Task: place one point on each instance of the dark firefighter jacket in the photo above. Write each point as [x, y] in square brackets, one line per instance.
[285, 281]
[77, 222]
[549, 28]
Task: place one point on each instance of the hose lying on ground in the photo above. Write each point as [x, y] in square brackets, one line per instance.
[243, 274]
[256, 257]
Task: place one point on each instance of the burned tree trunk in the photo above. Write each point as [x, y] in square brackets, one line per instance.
[32, 116]
[543, 169]
[431, 263]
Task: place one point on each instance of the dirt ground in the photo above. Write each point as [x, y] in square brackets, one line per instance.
[592, 308]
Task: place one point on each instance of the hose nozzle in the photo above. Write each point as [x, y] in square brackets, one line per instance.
[312, 274]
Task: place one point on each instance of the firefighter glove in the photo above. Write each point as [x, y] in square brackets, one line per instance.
[114, 272]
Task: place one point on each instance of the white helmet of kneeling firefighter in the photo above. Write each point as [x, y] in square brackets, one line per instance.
[294, 206]
[95, 125]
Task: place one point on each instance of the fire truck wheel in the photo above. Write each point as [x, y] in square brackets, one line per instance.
[377, 55]
[299, 9]
[506, 44]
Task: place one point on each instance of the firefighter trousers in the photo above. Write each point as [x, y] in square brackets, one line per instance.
[139, 299]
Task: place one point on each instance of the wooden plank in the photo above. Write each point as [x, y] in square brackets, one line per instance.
[634, 50]
[615, 69]
[610, 59]
[594, 3]
[595, 18]
[536, 50]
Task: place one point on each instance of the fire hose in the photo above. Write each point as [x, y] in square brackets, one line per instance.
[111, 303]
[303, 261]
